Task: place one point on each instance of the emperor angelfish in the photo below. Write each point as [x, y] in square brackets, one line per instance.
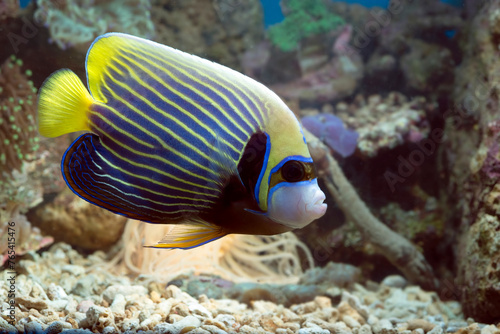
[176, 139]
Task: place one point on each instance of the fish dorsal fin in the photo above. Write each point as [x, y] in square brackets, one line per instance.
[119, 64]
[193, 234]
[115, 56]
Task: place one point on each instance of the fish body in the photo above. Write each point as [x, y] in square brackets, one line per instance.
[176, 139]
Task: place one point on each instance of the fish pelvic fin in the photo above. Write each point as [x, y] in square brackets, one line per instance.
[190, 235]
[63, 104]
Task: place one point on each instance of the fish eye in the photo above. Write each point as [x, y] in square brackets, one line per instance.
[293, 171]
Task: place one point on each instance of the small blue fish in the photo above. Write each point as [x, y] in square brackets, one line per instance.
[177, 139]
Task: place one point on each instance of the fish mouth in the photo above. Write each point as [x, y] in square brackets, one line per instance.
[317, 207]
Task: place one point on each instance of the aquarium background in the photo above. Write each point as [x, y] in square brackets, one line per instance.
[399, 104]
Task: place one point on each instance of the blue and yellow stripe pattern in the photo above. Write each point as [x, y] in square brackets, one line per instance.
[167, 133]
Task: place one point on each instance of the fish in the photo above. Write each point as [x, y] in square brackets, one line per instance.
[172, 138]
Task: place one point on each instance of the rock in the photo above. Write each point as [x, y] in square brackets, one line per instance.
[97, 318]
[198, 309]
[54, 328]
[71, 219]
[469, 157]
[56, 292]
[183, 326]
[118, 304]
[395, 281]
[33, 328]
[314, 330]
[339, 274]
[217, 30]
[420, 323]
[73, 269]
[427, 64]
[110, 293]
[84, 306]
[436, 330]
[31, 302]
[85, 285]
[384, 326]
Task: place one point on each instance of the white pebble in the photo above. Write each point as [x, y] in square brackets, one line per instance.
[213, 329]
[490, 329]
[118, 305]
[382, 326]
[130, 324]
[395, 281]
[56, 292]
[340, 328]
[313, 330]
[350, 321]
[108, 330]
[73, 269]
[150, 322]
[126, 290]
[183, 326]
[439, 330]
[58, 305]
[227, 319]
[198, 309]
[365, 329]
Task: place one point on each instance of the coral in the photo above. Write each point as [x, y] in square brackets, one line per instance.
[75, 22]
[338, 79]
[425, 64]
[386, 123]
[397, 249]
[302, 19]
[330, 129]
[220, 30]
[469, 160]
[238, 258]
[18, 135]
[419, 224]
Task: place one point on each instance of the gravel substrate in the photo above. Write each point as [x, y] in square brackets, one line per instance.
[62, 291]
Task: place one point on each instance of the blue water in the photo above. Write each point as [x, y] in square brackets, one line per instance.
[24, 3]
[273, 14]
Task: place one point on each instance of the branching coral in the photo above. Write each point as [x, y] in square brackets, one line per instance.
[272, 259]
[74, 22]
[397, 249]
[384, 124]
[18, 136]
[302, 19]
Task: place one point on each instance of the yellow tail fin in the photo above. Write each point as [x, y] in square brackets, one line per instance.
[63, 104]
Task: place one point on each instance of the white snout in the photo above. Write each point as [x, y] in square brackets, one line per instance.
[296, 204]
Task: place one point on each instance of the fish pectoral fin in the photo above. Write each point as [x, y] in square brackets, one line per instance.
[258, 213]
[190, 235]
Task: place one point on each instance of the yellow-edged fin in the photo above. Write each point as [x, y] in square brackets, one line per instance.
[190, 236]
[63, 104]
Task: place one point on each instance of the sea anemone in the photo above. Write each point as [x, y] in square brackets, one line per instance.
[279, 258]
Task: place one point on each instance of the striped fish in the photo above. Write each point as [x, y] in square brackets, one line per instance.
[172, 138]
